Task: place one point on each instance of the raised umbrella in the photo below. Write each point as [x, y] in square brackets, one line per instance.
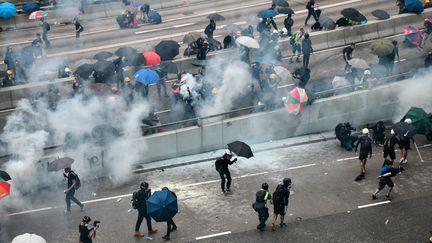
[4, 176]
[36, 15]
[414, 6]
[4, 189]
[30, 7]
[216, 17]
[84, 71]
[104, 68]
[382, 47]
[191, 37]
[232, 27]
[151, 58]
[358, 63]
[353, 14]
[136, 4]
[240, 149]
[102, 55]
[327, 23]
[268, 13]
[248, 42]
[420, 120]
[167, 49]
[404, 130]
[28, 238]
[7, 10]
[146, 76]
[281, 3]
[296, 101]
[154, 17]
[136, 60]
[413, 36]
[60, 164]
[285, 10]
[380, 14]
[162, 206]
[283, 74]
[126, 51]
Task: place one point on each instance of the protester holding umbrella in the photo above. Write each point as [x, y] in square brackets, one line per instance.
[139, 202]
[221, 166]
[310, 6]
[45, 29]
[4, 186]
[171, 226]
[391, 57]
[73, 183]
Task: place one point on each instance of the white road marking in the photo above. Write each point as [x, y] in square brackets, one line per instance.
[297, 167]
[31, 211]
[183, 25]
[213, 235]
[107, 198]
[350, 158]
[374, 204]
[425, 146]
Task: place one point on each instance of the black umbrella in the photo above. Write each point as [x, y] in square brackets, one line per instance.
[102, 55]
[105, 133]
[404, 130]
[84, 71]
[136, 60]
[168, 67]
[342, 22]
[285, 10]
[216, 17]
[104, 68]
[4, 175]
[281, 3]
[327, 23]
[125, 51]
[353, 14]
[240, 149]
[60, 164]
[214, 45]
[167, 49]
[380, 14]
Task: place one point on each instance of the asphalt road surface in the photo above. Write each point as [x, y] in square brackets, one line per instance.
[326, 205]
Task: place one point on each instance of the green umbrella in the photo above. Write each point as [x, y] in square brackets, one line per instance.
[382, 47]
[420, 119]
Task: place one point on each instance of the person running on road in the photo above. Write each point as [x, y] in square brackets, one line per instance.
[280, 202]
[347, 55]
[72, 184]
[310, 6]
[260, 205]
[139, 202]
[387, 171]
[365, 148]
[211, 27]
[221, 165]
[171, 226]
[405, 144]
[307, 50]
[78, 28]
[389, 146]
[45, 29]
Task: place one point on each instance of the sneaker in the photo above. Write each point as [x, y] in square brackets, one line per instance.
[82, 208]
[401, 160]
[282, 225]
[138, 234]
[173, 229]
[153, 231]
[404, 161]
[358, 178]
[374, 197]
[166, 237]
[228, 190]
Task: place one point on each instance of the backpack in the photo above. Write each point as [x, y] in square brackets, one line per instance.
[135, 200]
[261, 196]
[77, 181]
[48, 27]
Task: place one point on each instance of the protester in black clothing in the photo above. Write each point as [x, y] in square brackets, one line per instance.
[365, 149]
[310, 6]
[347, 55]
[171, 226]
[386, 172]
[45, 28]
[378, 133]
[280, 202]
[307, 50]
[72, 185]
[211, 27]
[221, 165]
[389, 146]
[405, 144]
[428, 60]
[78, 28]
[260, 205]
[145, 9]
[401, 5]
[139, 202]
[86, 233]
[391, 57]
[288, 24]
[270, 21]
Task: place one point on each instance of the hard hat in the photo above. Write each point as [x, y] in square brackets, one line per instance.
[68, 70]
[392, 132]
[127, 79]
[9, 72]
[367, 72]
[365, 131]
[273, 76]
[409, 121]
[228, 152]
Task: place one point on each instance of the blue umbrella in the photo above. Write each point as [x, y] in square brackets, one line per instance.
[162, 206]
[414, 6]
[268, 13]
[7, 10]
[154, 17]
[30, 7]
[146, 76]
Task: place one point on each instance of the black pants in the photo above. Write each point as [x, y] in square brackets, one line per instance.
[70, 197]
[141, 215]
[45, 39]
[306, 57]
[228, 178]
[263, 215]
[78, 34]
[311, 12]
[170, 225]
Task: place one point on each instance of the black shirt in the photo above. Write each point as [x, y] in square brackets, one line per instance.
[142, 197]
[70, 178]
[365, 144]
[222, 164]
[84, 234]
[78, 26]
[347, 52]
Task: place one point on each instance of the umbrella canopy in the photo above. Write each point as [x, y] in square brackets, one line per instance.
[168, 67]
[191, 37]
[285, 10]
[283, 74]
[84, 71]
[358, 63]
[240, 149]
[414, 6]
[404, 130]
[268, 13]
[296, 101]
[69, 12]
[232, 27]
[104, 134]
[4, 175]
[382, 47]
[136, 4]
[413, 36]
[154, 17]
[247, 42]
[420, 120]
[151, 58]
[28, 238]
[281, 3]
[216, 17]
[4, 189]
[126, 51]
[60, 164]
[30, 7]
[102, 55]
[146, 76]
[38, 15]
[162, 206]
[104, 68]
[327, 22]
[167, 49]
[380, 14]
[353, 14]
[7, 10]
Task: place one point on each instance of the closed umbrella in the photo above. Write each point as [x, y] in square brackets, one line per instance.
[353, 14]
[358, 63]
[162, 206]
[151, 58]
[146, 76]
[167, 49]
[30, 7]
[28, 238]
[283, 74]
[247, 42]
[240, 149]
[380, 14]
[4, 175]
[36, 15]
[268, 13]
[216, 17]
[84, 71]
[285, 10]
[232, 27]
[60, 164]
[327, 23]
[296, 101]
[7, 10]
[191, 37]
[420, 120]
[281, 3]
[4, 189]
[126, 51]
[102, 55]
[382, 47]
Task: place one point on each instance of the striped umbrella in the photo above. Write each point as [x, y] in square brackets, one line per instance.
[4, 189]
[296, 101]
[38, 15]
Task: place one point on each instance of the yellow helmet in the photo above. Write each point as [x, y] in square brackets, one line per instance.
[127, 79]
[9, 72]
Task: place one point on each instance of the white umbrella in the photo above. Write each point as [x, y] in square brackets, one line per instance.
[28, 238]
[358, 63]
[247, 42]
[283, 74]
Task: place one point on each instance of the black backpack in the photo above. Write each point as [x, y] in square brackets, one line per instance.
[48, 27]
[279, 194]
[77, 181]
[135, 200]
[260, 196]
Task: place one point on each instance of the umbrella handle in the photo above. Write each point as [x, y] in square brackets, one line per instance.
[418, 151]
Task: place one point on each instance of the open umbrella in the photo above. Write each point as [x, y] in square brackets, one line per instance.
[146, 76]
[420, 120]
[4, 189]
[28, 238]
[281, 3]
[283, 74]
[382, 47]
[414, 6]
[30, 7]
[380, 14]
[268, 13]
[240, 149]
[151, 58]
[102, 55]
[60, 164]
[191, 37]
[285, 10]
[216, 17]
[126, 51]
[296, 101]
[162, 206]
[327, 23]
[104, 68]
[136, 60]
[69, 12]
[404, 130]
[154, 17]
[358, 63]
[84, 71]
[7, 10]
[136, 4]
[4, 175]
[168, 67]
[38, 15]
[247, 42]
[413, 36]
[353, 14]
[167, 49]
[232, 27]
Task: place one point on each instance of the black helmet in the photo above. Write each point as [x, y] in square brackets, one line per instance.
[144, 185]
[265, 186]
[287, 181]
[86, 219]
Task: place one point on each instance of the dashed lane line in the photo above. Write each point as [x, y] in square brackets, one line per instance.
[213, 235]
[374, 204]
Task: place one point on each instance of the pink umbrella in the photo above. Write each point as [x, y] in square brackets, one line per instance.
[38, 15]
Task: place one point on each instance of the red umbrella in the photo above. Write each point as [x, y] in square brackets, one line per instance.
[152, 58]
[296, 101]
[4, 189]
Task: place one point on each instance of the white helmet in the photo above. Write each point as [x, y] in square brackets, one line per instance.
[275, 32]
[365, 131]
[227, 151]
[367, 72]
[392, 132]
[409, 121]
[284, 30]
